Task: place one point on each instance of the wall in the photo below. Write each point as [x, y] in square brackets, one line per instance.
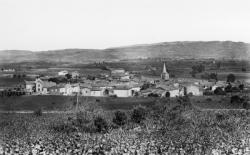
[123, 93]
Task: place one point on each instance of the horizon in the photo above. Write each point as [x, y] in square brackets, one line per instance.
[43, 25]
[122, 46]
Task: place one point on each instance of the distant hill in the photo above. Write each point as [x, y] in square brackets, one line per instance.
[174, 50]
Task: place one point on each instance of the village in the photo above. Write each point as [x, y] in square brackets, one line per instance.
[121, 83]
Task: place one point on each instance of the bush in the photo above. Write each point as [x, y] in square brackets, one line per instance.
[64, 128]
[138, 114]
[83, 117]
[246, 105]
[101, 124]
[231, 78]
[219, 91]
[235, 99]
[243, 69]
[209, 99]
[120, 118]
[38, 112]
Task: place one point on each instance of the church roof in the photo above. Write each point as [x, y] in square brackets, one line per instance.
[164, 69]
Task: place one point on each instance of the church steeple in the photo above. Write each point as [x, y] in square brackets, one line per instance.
[164, 74]
[164, 68]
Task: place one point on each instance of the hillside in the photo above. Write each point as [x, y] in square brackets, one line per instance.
[175, 50]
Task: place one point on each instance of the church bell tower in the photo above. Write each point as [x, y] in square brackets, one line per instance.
[164, 74]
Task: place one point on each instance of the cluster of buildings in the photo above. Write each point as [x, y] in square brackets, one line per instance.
[120, 83]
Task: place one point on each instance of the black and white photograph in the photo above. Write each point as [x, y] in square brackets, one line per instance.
[124, 77]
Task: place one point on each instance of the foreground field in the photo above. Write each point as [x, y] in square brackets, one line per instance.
[168, 128]
[64, 103]
[68, 103]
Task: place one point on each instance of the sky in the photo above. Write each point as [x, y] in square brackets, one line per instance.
[57, 24]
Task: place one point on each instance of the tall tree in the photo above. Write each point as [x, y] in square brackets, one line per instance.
[231, 78]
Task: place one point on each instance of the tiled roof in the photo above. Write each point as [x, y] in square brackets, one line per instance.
[122, 87]
[29, 82]
[95, 89]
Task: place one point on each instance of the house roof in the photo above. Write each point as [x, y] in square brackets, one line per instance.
[167, 87]
[85, 85]
[122, 87]
[47, 84]
[95, 89]
[114, 69]
[30, 82]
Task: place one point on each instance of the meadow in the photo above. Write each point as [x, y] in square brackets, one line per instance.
[67, 103]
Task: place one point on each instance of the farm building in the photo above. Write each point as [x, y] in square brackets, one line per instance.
[42, 86]
[54, 90]
[63, 73]
[117, 71]
[75, 74]
[122, 91]
[70, 89]
[85, 91]
[97, 92]
[30, 86]
[193, 89]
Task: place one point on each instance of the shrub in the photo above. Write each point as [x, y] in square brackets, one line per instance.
[83, 117]
[243, 69]
[101, 124]
[219, 91]
[38, 112]
[246, 105]
[138, 114]
[120, 118]
[231, 78]
[235, 99]
[153, 95]
[209, 99]
[228, 88]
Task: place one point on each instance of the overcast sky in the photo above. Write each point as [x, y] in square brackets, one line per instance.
[57, 24]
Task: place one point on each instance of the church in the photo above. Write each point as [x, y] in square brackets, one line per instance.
[164, 74]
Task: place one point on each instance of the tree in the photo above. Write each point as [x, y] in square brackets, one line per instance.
[241, 87]
[213, 76]
[146, 86]
[120, 118]
[138, 114]
[219, 91]
[68, 76]
[198, 68]
[218, 65]
[101, 124]
[231, 78]
[228, 88]
[38, 112]
[235, 99]
[245, 105]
